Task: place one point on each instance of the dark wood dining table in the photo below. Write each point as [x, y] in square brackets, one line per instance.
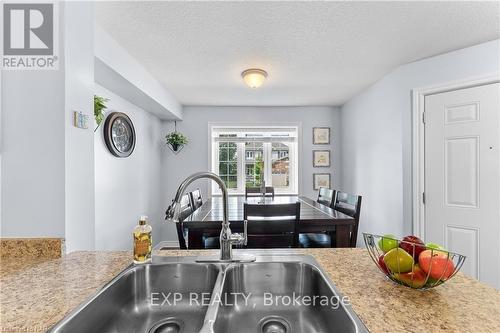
[314, 218]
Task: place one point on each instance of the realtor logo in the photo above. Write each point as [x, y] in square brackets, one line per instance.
[29, 36]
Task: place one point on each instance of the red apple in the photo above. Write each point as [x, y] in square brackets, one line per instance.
[413, 245]
[382, 265]
[436, 264]
[415, 279]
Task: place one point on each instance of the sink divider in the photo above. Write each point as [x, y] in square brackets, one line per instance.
[213, 308]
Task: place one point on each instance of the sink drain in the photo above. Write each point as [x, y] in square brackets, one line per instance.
[169, 325]
[274, 324]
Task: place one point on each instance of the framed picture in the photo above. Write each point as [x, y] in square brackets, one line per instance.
[321, 135]
[321, 180]
[321, 158]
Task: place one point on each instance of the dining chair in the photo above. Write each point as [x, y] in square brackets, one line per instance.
[326, 196]
[186, 210]
[349, 204]
[255, 191]
[272, 226]
[196, 199]
[346, 203]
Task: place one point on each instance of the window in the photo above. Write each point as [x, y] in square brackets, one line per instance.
[246, 156]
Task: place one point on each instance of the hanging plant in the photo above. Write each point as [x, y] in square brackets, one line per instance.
[99, 107]
[175, 140]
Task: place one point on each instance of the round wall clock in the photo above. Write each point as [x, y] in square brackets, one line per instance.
[119, 134]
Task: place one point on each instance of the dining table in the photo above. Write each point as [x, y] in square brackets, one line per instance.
[314, 218]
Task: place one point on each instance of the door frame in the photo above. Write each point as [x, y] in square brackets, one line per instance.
[418, 140]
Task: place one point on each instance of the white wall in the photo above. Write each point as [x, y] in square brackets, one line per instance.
[79, 143]
[47, 164]
[122, 74]
[194, 156]
[126, 188]
[32, 132]
[376, 134]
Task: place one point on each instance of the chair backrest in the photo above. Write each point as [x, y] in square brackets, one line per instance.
[272, 225]
[196, 200]
[325, 196]
[186, 207]
[255, 191]
[186, 210]
[349, 204]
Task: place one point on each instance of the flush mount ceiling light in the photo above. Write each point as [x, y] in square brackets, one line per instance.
[254, 77]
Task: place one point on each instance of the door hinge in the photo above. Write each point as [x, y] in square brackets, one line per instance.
[423, 198]
[423, 117]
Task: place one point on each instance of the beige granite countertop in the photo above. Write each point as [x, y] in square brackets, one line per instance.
[35, 294]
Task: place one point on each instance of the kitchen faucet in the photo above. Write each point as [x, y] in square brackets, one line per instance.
[227, 239]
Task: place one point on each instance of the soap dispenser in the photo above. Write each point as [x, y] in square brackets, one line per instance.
[143, 243]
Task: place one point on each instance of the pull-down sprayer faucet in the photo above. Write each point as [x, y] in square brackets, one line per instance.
[227, 239]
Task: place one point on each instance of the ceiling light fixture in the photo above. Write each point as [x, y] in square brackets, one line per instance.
[254, 77]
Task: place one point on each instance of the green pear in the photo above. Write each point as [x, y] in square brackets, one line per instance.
[398, 261]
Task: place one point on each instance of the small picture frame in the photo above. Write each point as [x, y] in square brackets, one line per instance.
[321, 180]
[321, 135]
[321, 158]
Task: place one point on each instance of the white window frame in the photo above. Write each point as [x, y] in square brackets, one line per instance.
[294, 153]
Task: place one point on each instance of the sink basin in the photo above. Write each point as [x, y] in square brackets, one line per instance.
[282, 292]
[126, 304]
[280, 297]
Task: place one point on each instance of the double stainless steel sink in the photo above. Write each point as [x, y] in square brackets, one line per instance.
[279, 292]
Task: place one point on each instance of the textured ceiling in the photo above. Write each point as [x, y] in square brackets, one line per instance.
[316, 53]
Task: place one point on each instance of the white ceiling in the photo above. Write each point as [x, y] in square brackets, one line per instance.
[316, 53]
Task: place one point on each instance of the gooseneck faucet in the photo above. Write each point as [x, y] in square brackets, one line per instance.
[227, 239]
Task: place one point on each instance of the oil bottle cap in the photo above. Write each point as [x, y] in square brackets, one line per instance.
[143, 219]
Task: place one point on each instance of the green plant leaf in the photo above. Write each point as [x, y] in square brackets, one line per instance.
[99, 107]
[176, 138]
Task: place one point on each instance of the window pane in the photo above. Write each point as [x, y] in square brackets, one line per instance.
[280, 165]
[232, 182]
[233, 168]
[222, 154]
[254, 163]
[224, 179]
[232, 152]
[223, 168]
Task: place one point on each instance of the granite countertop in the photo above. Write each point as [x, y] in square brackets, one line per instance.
[35, 294]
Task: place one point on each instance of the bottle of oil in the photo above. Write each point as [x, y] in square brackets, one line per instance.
[142, 241]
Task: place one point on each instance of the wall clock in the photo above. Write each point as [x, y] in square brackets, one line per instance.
[119, 134]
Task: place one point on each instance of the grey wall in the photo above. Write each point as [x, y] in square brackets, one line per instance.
[376, 134]
[126, 188]
[194, 157]
[46, 162]
[32, 153]
[79, 143]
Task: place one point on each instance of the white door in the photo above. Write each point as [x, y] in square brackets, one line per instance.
[462, 177]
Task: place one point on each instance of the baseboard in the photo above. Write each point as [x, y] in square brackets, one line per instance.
[168, 244]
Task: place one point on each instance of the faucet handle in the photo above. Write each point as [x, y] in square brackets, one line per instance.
[245, 232]
[172, 213]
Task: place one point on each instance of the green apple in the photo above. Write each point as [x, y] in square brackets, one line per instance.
[398, 260]
[434, 246]
[387, 243]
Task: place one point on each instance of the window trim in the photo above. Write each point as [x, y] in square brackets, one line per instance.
[294, 154]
